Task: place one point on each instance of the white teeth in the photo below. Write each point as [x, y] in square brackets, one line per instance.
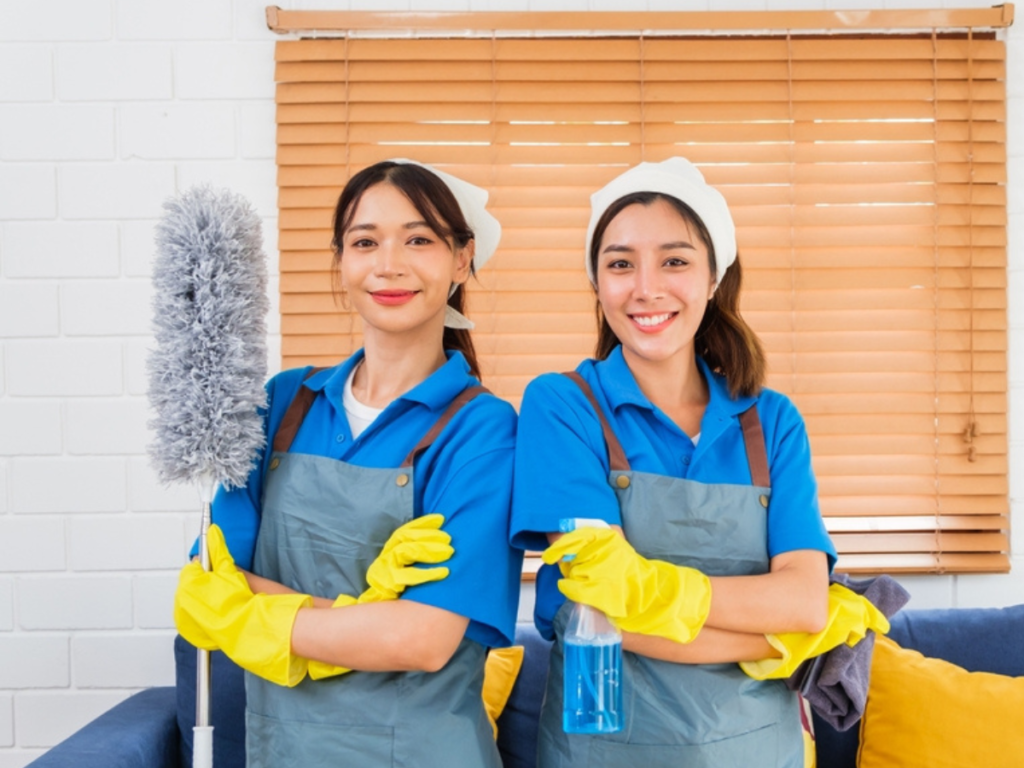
[652, 319]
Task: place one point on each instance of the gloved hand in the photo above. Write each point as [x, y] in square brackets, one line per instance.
[216, 609]
[649, 597]
[850, 616]
[421, 540]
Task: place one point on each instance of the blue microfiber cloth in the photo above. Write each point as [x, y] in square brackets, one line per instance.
[835, 684]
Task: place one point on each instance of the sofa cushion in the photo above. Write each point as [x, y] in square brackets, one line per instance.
[500, 673]
[977, 639]
[928, 713]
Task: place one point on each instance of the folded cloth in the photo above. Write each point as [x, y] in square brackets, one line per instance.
[835, 684]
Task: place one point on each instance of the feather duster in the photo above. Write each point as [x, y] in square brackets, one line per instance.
[207, 371]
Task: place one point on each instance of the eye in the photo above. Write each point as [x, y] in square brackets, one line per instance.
[618, 264]
[363, 242]
[420, 240]
[676, 261]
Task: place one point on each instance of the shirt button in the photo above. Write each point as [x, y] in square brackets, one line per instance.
[686, 460]
[341, 438]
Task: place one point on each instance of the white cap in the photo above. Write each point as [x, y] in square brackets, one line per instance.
[472, 201]
[679, 178]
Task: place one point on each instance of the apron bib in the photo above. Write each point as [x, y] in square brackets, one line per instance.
[684, 715]
[324, 522]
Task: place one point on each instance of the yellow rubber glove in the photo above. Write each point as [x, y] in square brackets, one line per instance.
[649, 597]
[216, 610]
[421, 540]
[850, 616]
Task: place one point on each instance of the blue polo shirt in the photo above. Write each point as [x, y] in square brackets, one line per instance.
[562, 462]
[466, 475]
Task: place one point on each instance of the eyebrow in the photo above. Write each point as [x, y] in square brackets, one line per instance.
[373, 227]
[681, 244]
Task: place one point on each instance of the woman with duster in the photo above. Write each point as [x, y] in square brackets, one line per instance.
[716, 552]
[393, 459]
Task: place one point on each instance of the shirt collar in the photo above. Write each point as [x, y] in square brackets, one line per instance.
[435, 392]
[620, 386]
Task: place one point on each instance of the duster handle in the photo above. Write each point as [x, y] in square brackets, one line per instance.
[202, 734]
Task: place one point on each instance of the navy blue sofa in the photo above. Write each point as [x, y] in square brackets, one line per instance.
[152, 729]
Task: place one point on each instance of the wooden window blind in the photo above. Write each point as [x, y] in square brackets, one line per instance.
[866, 176]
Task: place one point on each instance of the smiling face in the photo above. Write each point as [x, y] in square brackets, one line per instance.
[396, 270]
[654, 281]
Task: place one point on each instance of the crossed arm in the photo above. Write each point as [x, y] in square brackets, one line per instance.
[389, 636]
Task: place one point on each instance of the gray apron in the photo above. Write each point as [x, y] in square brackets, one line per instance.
[684, 715]
[323, 524]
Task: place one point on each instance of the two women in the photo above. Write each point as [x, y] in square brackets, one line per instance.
[669, 436]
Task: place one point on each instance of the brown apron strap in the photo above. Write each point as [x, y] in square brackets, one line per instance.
[616, 456]
[757, 455]
[293, 417]
[428, 439]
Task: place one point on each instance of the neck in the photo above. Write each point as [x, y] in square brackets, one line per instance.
[672, 384]
[394, 364]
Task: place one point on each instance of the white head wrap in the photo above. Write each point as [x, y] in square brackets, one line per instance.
[678, 178]
[486, 229]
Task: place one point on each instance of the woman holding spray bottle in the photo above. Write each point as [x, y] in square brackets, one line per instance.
[393, 459]
[712, 549]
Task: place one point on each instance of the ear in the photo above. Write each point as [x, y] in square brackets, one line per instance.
[711, 292]
[463, 260]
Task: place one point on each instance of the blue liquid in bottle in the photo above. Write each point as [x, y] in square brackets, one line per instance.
[593, 687]
[592, 695]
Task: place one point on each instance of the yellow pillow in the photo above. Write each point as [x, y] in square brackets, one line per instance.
[929, 713]
[500, 673]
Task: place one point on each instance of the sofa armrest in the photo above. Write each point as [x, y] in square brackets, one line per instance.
[140, 732]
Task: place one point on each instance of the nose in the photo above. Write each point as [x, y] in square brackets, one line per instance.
[649, 284]
[390, 260]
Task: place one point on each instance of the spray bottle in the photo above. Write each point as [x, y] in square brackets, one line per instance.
[593, 663]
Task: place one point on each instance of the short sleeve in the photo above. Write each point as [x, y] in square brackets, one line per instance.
[794, 515]
[561, 463]
[469, 481]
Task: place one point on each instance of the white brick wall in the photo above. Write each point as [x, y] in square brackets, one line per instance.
[106, 108]
[60, 250]
[28, 192]
[48, 132]
[34, 660]
[6, 613]
[74, 601]
[26, 73]
[113, 661]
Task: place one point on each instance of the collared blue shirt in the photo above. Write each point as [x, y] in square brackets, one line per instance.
[562, 461]
[466, 475]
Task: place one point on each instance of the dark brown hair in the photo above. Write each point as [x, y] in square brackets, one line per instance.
[435, 202]
[728, 345]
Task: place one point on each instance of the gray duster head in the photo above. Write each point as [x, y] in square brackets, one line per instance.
[207, 372]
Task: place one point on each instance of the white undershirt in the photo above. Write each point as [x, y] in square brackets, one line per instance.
[359, 416]
[695, 439]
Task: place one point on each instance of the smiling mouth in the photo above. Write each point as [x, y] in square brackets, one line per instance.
[392, 297]
[653, 322]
